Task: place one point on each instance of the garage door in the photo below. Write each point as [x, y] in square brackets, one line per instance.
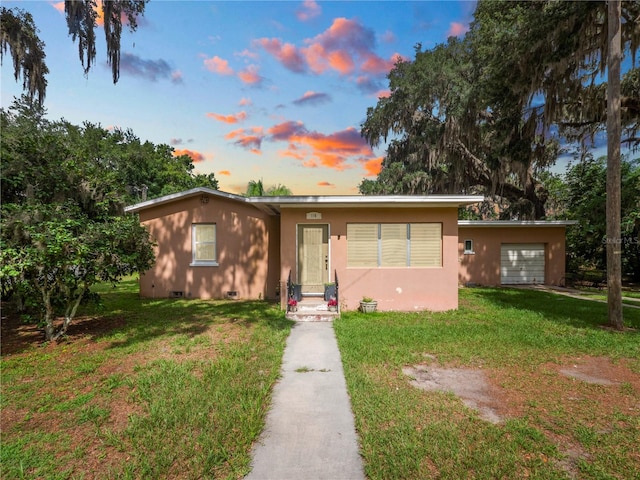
[521, 263]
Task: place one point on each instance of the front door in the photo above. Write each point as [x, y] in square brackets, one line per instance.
[313, 257]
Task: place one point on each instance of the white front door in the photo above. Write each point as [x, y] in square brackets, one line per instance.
[313, 257]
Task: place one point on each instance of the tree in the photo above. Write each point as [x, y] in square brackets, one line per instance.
[19, 35]
[278, 191]
[55, 161]
[256, 189]
[556, 54]
[587, 241]
[614, 250]
[63, 191]
[57, 252]
[445, 140]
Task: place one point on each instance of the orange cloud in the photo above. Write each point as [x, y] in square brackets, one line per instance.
[310, 164]
[59, 6]
[347, 142]
[383, 94]
[332, 151]
[245, 102]
[372, 166]
[376, 65]
[456, 29]
[341, 61]
[285, 130]
[249, 139]
[250, 75]
[195, 156]
[224, 172]
[326, 184]
[285, 53]
[218, 65]
[231, 119]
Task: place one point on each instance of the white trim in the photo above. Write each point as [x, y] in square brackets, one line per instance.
[180, 195]
[272, 205]
[516, 223]
[204, 263]
[468, 251]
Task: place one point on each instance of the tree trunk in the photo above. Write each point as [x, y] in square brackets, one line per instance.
[614, 234]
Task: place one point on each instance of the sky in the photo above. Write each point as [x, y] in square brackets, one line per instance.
[271, 91]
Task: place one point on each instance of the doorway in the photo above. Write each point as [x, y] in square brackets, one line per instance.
[313, 257]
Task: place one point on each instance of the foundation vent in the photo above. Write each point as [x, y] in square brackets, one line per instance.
[176, 294]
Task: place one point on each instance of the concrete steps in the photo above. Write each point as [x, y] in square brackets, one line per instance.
[312, 309]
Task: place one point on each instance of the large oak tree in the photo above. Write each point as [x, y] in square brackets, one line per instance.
[19, 35]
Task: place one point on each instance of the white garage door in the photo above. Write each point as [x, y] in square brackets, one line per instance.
[521, 263]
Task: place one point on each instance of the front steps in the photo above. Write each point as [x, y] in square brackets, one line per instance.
[312, 309]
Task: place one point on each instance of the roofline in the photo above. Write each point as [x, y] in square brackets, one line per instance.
[516, 223]
[272, 205]
[305, 200]
[339, 201]
[180, 195]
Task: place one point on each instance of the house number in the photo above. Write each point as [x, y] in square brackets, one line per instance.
[314, 216]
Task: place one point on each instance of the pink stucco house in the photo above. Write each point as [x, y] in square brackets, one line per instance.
[407, 252]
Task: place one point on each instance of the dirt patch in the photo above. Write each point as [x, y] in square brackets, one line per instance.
[18, 337]
[469, 384]
[554, 397]
[596, 370]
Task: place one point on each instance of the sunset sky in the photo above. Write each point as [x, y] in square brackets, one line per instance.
[250, 90]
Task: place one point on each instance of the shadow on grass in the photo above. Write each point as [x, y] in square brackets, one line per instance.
[558, 308]
[126, 318]
[154, 318]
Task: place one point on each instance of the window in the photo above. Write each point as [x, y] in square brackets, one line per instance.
[394, 245]
[203, 237]
[468, 247]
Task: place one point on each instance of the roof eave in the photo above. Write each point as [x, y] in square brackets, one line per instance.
[515, 223]
[181, 195]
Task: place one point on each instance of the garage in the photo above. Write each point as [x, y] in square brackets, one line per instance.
[522, 263]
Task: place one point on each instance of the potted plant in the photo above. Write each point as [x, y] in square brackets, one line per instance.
[368, 305]
[292, 304]
[329, 291]
[332, 304]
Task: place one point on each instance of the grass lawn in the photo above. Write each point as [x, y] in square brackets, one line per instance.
[141, 389]
[525, 344]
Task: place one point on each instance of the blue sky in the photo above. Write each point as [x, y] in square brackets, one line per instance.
[251, 90]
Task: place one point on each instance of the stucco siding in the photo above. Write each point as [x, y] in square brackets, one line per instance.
[402, 289]
[483, 266]
[246, 244]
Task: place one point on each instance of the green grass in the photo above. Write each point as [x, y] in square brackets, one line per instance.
[408, 433]
[154, 389]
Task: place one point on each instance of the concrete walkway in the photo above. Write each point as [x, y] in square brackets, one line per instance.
[310, 432]
[574, 293]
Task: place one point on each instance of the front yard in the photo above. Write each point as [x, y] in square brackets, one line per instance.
[558, 397]
[141, 389]
[179, 389]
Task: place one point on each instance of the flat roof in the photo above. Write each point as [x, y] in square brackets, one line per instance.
[516, 223]
[273, 205]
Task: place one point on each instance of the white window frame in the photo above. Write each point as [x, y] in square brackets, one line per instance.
[204, 263]
[468, 251]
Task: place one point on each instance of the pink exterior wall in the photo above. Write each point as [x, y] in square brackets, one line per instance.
[247, 249]
[401, 289]
[483, 267]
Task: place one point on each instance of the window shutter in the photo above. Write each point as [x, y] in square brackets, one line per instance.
[393, 238]
[362, 245]
[426, 244]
